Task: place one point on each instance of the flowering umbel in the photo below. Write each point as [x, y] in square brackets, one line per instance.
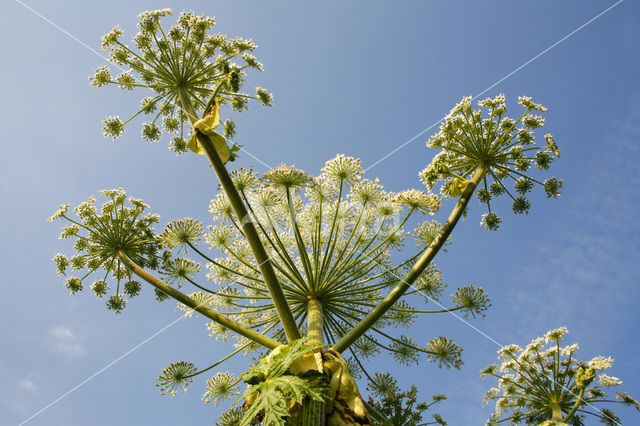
[185, 59]
[330, 239]
[176, 376]
[118, 227]
[504, 148]
[545, 382]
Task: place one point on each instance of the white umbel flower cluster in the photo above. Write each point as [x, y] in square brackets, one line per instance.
[545, 381]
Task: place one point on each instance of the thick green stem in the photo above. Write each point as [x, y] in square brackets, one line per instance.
[313, 412]
[556, 412]
[266, 268]
[207, 312]
[410, 277]
[575, 406]
[315, 326]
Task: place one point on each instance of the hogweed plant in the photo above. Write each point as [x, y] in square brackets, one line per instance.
[304, 266]
[544, 383]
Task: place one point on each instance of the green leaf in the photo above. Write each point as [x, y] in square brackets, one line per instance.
[272, 397]
[272, 388]
[205, 126]
[279, 360]
[269, 400]
[219, 143]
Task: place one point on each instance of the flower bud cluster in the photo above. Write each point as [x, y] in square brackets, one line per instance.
[504, 148]
[182, 59]
[101, 236]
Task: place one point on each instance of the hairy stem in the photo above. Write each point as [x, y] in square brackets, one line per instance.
[188, 301]
[410, 277]
[259, 252]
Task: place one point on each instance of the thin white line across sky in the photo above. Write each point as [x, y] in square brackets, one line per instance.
[133, 349]
[498, 82]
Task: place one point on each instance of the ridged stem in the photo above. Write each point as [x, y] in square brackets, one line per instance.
[315, 326]
[312, 412]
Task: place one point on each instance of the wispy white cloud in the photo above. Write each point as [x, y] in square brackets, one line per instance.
[65, 342]
[28, 384]
[592, 259]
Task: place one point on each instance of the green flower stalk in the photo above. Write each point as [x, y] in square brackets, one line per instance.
[544, 383]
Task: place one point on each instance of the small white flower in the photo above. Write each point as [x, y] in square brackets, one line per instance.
[568, 350]
[555, 335]
[526, 101]
[154, 13]
[111, 37]
[59, 213]
[605, 380]
[535, 344]
[342, 168]
[601, 363]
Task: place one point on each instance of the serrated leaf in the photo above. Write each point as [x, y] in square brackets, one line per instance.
[272, 396]
[278, 361]
[271, 388]
[269, 401]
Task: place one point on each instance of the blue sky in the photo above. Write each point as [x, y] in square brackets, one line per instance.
[359, 78]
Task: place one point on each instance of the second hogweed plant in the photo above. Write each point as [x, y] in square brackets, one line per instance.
[305, 273]
[544, 383]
